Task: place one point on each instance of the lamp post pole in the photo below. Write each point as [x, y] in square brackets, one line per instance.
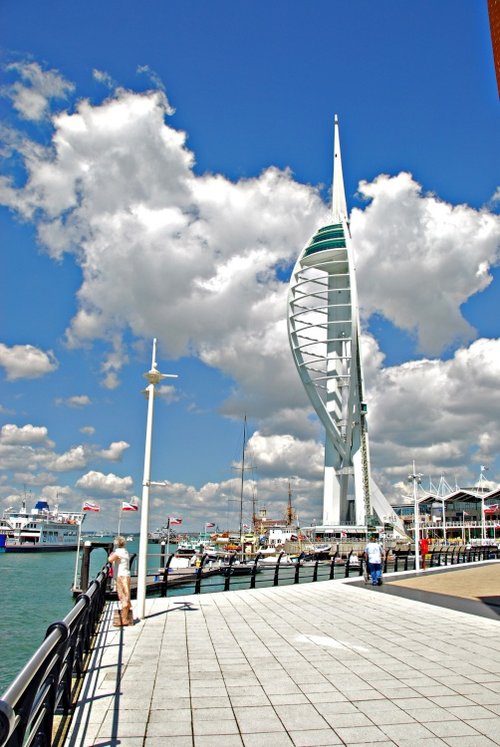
[416, 478]
[153, 376]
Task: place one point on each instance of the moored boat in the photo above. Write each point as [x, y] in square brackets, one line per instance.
[41, 529]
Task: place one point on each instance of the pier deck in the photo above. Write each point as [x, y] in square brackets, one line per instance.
[331, 663]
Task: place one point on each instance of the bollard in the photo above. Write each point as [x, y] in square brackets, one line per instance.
[84, 572]
[162, 554]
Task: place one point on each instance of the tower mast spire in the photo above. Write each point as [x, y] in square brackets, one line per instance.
[339, 204]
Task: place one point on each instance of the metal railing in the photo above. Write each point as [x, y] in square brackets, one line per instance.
[46, 685]
[209, 578]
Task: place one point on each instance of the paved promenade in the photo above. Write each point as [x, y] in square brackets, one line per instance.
[330, 663]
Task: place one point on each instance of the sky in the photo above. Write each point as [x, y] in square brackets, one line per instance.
[164, 164]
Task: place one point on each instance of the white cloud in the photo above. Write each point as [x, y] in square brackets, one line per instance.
[168, 393]
[26, 361]
[11, 434]
[102, 77]
[78, 400]
[114, 452]
[75, 458]
[110, 484]
[440, 413]
[281, 455]
[88, 430]
[32, 96]
[419, 259]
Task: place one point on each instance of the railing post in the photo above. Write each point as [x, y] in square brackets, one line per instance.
[228, 572]
[332, 566]
[254, 571]
[277, 569]
[199, 573]
[315, 572]
[296, 578]
[60, 688]
[164, 583]
[347, 565]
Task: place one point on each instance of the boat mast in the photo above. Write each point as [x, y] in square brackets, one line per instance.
[242, 482]
[289, 510]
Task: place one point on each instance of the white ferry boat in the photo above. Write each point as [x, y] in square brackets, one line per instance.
[41, 529]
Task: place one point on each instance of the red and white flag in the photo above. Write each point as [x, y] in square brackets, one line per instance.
[173, 521]
[209, 525]
[245, 526]
[90, 506]
[343, 533]
[128, 506]
[491, 509]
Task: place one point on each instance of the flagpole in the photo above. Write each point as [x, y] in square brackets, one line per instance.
[119, 519]
[168, 536]
[77, 552]
[463, 527]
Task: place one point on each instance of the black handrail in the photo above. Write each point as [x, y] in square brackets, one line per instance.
[45, 686]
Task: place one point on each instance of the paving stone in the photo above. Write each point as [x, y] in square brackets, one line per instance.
[294, 666]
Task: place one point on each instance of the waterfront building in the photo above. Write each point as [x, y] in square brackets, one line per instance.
[323, 330]
[446, 514]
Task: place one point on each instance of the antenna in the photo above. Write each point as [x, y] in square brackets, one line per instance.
[339, 204]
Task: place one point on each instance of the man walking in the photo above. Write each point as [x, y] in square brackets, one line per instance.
[374, 556]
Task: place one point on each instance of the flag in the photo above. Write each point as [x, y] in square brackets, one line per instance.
[491, 509]
[343, 534]
[90, 506]
[209, 525]
[245, 526]
[484, 468]
[173, 521]
[466, 513]
[126, 506]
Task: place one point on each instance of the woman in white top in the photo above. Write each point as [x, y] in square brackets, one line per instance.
[121, 559]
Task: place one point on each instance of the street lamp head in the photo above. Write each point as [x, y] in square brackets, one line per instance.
[415, 478]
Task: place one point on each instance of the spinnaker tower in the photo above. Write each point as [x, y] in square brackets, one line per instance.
[323, 329]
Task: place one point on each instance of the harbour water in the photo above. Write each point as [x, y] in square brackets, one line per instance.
[36, 590]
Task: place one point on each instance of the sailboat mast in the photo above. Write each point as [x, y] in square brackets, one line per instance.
[289, 511]
[242, 482]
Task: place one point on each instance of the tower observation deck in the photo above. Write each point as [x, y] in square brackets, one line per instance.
[323, 330]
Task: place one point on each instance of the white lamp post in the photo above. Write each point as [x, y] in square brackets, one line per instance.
[416, 478]
[153, 377]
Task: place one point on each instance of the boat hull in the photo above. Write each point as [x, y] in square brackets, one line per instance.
[28, 548]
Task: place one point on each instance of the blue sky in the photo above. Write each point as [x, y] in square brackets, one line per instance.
[164, 164]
